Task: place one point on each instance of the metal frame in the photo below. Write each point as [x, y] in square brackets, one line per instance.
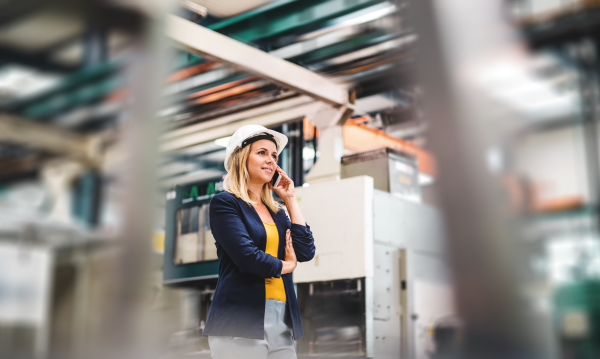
[325, 102]
[210, 44]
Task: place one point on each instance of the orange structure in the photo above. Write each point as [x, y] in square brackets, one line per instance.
[360, 137]
[191, 71]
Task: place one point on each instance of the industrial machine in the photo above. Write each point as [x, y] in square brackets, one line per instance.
[577, 316]
[378, 284]
[190, 256]
[393, 171]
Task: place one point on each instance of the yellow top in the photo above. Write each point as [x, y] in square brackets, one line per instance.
[274, 288]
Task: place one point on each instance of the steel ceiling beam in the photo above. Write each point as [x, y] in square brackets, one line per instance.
[270, 115]
[24, 132]
[207, 43]
[238, 116]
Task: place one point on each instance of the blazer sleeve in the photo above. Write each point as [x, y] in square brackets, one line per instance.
[230, 232]
[302, 240]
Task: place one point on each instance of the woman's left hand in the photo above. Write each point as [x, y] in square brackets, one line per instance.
[285, 190]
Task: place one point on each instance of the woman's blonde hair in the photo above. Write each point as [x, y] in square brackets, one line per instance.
[236, 181]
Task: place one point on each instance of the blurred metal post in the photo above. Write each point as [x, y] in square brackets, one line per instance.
[20, 131]
[586, 55]
[129, 328]
[459, 41]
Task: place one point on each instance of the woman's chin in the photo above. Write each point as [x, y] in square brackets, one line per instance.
[265, 180]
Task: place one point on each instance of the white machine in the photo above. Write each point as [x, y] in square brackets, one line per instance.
[378, 283]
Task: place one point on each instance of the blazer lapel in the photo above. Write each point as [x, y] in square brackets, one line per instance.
[257, 226]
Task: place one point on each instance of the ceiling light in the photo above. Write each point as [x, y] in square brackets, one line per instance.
[18, 81]
[425, 179]
[308, 153]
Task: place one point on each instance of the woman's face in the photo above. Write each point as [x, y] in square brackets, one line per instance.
[262, 161]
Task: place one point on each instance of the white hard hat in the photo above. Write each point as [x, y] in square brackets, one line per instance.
[238, 140]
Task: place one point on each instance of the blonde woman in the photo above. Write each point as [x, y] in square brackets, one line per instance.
[254, 312]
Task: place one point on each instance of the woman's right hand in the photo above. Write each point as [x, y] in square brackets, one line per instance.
[290, 262]
[290, 255]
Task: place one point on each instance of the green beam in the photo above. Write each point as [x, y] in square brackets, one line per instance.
[252, 13]
[63, 101]
[287, 17]
[280, 18]
[70, 83]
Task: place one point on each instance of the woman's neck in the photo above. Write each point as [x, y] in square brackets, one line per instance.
[255, 190]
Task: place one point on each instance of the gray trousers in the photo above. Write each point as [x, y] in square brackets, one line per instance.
[277, 344]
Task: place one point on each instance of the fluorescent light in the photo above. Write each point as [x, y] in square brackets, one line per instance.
[519, 87]
[308, 153]
[425, 179]
[20, 81]
[495, 159]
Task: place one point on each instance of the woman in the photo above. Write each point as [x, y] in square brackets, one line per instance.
[254, 312]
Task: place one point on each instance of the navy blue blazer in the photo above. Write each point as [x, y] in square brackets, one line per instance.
[238, 306]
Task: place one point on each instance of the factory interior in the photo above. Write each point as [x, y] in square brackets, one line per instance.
[444, 153]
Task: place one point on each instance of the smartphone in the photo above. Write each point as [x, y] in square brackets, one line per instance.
[275, 179]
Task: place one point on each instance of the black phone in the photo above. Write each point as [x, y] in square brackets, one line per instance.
[275, 179]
